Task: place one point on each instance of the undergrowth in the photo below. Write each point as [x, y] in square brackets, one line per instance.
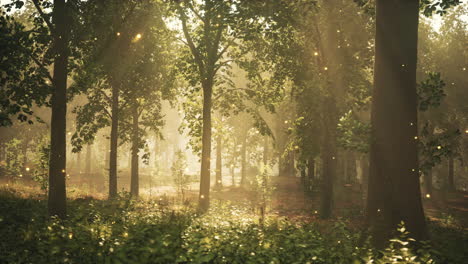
[128, 231]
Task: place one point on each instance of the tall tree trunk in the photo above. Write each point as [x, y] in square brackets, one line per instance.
[428, 182]
[451, 182]
[244, 162]
[204, 198]
[113, 141]
[265, 151]
[78, 163]
[57, 163]
[219, 165]
[328, 159]
[394, 189]
[90, 179]
[233, 176]
[134, 184]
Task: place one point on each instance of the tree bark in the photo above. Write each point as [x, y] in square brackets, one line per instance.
[329, 160]
[114, 141]
[219, 167]
[90, 179]
[204, 198]
[428, 182]
[57, 163]
[134, 183]
[451, 182]
[394, 189]
[244, 162]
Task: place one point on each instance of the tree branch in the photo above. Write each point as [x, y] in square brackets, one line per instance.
[195, 52]
[42, 14]
[40, 64]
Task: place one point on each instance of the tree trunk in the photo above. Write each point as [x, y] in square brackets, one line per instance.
[219, 167]
[78, 163]
[265, 151]
[244, 162]
[88, 166]
[394, 189]
[451, 182]
[204, 199]
[113, 141]
[428, 182]
[233, 176]
[134, 184]
[328, 160]
[57, 163]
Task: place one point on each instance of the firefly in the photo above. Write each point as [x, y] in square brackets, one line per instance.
[315, 53]
[428, 196]
[439, 147]
[202, 196]
[118, 33]
[138, 36]
[326, 68]
[27, 169]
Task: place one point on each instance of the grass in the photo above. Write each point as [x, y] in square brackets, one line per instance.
[159, 231]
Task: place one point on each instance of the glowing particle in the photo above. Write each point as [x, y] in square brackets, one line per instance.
[411, 124]
[413, 170]
[27, 169]
[202, 196]
[338, 31]
[439, 147]
[326, 68]
[466, 131]
[138, 36]
[428, 196]
[378, 210]
[63, 170]
[315, 53]
[286, 121]
[333, 157]
[118, 33]
[315, 212]
[464, 68]
[69, 133]
[416, 137]
[403, 65]
[219, 181]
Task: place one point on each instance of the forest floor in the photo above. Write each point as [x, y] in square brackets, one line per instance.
[161, 229]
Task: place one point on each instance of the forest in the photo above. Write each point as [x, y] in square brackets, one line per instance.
[234, 131]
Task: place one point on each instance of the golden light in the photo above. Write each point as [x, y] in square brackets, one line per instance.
[466, 131]
[315, 53]
[118, 33]
[27, 169]
[326, 68]
[416, 137]
[439, 147]
[69, 133]
[464, 68]
[63, 170]
[428, 196]
[138, 36]
[202, 196]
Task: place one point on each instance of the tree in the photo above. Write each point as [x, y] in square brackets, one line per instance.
[208, 43]
[394, 190]
[129, 86]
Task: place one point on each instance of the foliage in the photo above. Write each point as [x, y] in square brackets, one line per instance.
[353, 134]
[431, 91]
[13, 166]
[41, 164]
[129, 231]
[181, 179]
